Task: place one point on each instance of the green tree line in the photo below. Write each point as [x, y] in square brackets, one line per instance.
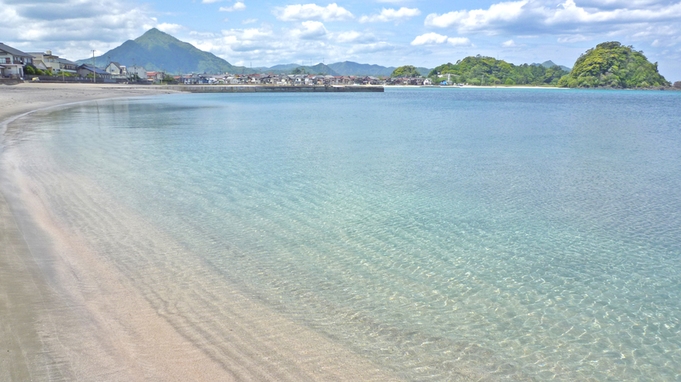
[480, 70]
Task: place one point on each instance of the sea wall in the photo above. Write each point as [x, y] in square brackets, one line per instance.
[271, 89]
[10, 81]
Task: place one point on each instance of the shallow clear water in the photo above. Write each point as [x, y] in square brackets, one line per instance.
[509, 234]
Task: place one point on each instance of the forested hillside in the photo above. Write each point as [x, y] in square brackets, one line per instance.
[156, 50]
[479, 70]
[612, 64]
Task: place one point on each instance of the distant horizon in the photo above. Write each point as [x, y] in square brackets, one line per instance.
[380, 32]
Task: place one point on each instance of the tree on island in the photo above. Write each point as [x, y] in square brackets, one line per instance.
[406, 71]
[611, 64]
[480, 70]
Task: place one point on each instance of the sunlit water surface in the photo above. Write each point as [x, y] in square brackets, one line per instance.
[511, 234]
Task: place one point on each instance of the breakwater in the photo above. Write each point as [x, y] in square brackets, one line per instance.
[273, 89]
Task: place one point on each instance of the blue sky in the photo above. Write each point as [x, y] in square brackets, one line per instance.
[384, 32]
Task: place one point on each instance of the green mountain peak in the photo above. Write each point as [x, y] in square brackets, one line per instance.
[154, 37]
[153, 32]
[158, 51]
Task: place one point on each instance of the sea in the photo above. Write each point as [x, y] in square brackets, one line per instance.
[442, 233]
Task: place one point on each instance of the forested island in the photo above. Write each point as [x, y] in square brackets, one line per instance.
[481, 70]
[608, 65]
[614, 65]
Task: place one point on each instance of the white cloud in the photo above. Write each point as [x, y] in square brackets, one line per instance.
[169, 28]
[70, 28]
[435, 38]
[478, 18]
[301, 12]
[354, 36]
[249, 21]
[348, 36]
[371, 48]
[615, 4]
[210, 1]
[569, 12]
[233, 40]
[311, 30]
[308, 40]
[572, 38]
[238, 6]
[459, 41]
[508, 44]
[556, 17]
[429, 38]
[389, 14]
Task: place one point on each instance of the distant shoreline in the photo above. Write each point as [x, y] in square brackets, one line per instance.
[275, 88]
[472, 87]
[524, 87]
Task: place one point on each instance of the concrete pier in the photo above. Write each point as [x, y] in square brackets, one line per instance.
[273, 89]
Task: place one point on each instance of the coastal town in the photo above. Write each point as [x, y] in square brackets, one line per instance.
[46, 66]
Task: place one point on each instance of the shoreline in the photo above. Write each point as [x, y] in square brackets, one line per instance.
[69, 314]
[24, 98]
[25, 291]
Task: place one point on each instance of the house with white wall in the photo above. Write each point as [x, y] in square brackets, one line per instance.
[46, 61]
[13, 60]
[116, 70]
[137, 70]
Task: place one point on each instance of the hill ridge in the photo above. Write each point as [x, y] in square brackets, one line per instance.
[158, 51]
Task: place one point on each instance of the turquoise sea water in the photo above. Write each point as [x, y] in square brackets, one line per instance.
[503, 233]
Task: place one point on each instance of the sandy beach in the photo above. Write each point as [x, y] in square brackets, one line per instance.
[65, 314]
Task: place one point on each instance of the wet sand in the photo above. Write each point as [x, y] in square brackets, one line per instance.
[68, 314]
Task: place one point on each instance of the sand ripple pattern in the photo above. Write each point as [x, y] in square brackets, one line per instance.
[495, 235]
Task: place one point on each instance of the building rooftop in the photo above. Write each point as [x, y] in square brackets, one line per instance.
[93, 69]
[65, 61]
[12, 51]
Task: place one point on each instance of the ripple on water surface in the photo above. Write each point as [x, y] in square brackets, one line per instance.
[503, 234]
